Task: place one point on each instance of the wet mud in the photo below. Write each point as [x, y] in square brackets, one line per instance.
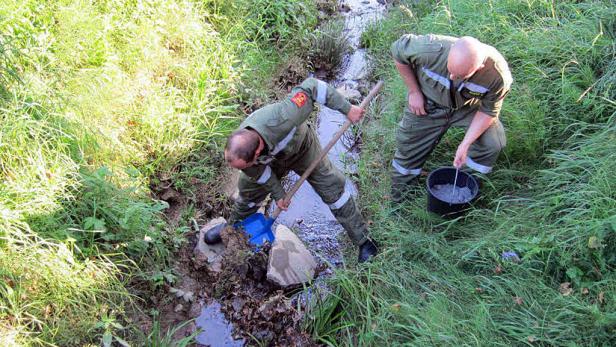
[447, 193]
[233, 305]
[257, 308]
[216, 329]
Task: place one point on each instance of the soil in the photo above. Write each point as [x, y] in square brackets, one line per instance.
[255, 306]
[259, 311]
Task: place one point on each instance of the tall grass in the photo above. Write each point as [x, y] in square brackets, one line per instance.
[51, 296]
[550, 200]
[98, 100]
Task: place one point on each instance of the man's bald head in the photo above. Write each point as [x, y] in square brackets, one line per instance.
[466, 56]
[242, 146]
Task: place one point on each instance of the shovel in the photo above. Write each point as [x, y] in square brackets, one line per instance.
[258, 226]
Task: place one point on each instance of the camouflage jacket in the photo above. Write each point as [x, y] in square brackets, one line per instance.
[282, 126]
[427, 56]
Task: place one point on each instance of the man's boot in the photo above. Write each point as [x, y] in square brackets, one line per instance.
[367, 251]
[212, 236]
[400, 192]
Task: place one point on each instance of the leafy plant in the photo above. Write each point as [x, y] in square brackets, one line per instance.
[327, 46]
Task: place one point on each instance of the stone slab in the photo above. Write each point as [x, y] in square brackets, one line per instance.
[210, 255]
[290, 262]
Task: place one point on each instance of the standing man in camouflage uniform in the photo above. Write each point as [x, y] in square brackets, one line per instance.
[451, 82]
[276, 139]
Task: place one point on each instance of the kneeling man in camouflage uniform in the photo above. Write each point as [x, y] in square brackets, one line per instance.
[451, 82]
[276, 139]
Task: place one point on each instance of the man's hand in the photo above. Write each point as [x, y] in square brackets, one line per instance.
[416, 99]
[355, 114]
[461, 153]
[478, 126]
[417, 103]
[282, 204]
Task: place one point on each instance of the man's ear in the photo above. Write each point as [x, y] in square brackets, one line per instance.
[259, 149]
[261, 146]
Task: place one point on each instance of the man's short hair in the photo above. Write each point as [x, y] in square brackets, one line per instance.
[242, 144]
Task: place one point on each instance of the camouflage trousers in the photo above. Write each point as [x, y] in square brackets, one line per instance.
[418, 135]
[326, 179]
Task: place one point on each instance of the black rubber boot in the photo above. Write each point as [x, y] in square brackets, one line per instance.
[367, 250]
[401, 192]
[212, 236]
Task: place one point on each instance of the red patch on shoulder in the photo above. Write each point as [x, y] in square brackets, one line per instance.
[299, 99]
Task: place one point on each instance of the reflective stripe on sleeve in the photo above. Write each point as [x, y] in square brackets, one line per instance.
[404, 171]
[284, 142]
[321, 92]
[340, 202]
[433, 75]
[267, 173]
[478, 167]
[473, 87]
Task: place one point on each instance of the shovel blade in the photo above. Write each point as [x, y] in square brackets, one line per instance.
[258, 228]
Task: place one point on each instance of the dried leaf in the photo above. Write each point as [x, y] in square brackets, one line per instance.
[107, 339]
[594, 242]
[122, 342]
[601, 297]
[565, 288]
[517, 300]
[532, 339]
[498, 270]
[585, 291]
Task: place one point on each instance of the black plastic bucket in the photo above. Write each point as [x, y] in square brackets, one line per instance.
[447, 175]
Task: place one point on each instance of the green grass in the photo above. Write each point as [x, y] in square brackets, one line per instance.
[551, 198]
[99, 101]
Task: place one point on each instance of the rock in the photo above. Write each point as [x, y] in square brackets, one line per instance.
[188, 296]
[170, 195]
[237, 304]
[210, 255]
[195, 308]
[290, 263]
[349, 93]
[230, 189]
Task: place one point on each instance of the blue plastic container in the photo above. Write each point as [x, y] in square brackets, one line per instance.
[258, 227]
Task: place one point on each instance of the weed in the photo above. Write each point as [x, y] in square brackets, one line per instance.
[550, 200]
[158, 338]
[97, 101]
[327, 46]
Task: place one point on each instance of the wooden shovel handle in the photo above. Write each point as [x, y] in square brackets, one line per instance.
[373, 92]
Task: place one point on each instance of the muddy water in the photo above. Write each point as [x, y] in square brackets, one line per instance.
[307, 214]
[216, 330]
[447, 193]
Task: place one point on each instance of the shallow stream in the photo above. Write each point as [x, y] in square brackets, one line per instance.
[307, 214]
